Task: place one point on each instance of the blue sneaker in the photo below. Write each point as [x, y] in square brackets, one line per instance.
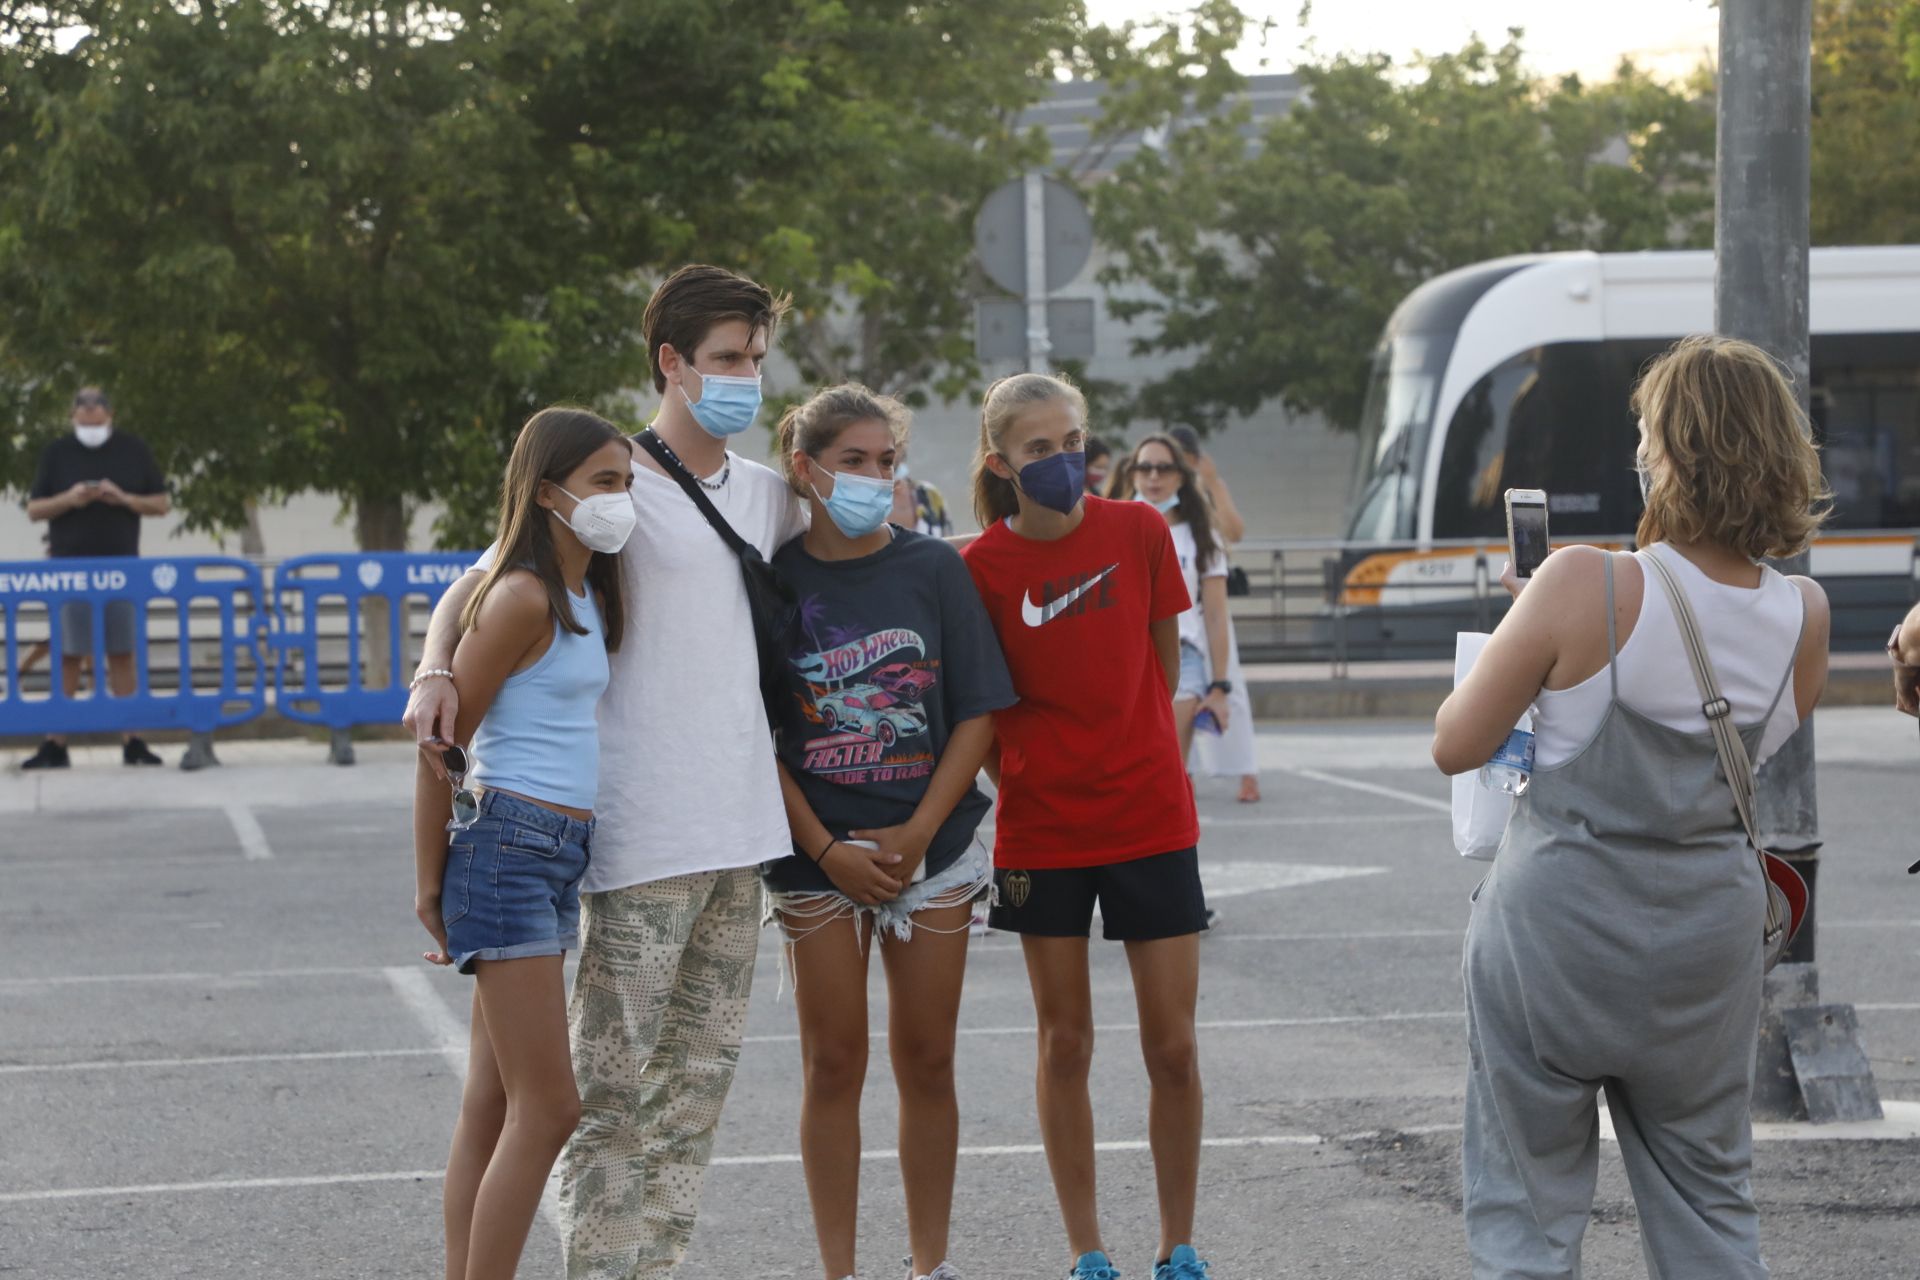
[1185, 1264]
[1094, 1266]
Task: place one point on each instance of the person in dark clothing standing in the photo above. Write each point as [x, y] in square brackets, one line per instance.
[93, 489]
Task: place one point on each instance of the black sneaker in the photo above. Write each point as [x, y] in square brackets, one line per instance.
[51, 755]
[136, 752]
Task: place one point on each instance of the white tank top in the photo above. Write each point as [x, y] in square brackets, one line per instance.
[1752, 633]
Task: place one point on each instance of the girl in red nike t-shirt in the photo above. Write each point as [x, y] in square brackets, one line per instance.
[1086, 596]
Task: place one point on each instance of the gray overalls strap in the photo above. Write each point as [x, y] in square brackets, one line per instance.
[1616, 945]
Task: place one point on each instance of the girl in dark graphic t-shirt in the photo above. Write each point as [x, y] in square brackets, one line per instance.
[895, 677]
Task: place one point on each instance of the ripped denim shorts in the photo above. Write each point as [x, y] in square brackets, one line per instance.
[804, 912]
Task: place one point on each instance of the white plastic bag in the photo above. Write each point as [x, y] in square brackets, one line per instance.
[1479, 813]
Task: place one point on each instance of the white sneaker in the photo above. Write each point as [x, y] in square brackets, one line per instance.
[944, 1271]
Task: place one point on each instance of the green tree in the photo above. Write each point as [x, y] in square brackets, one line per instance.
[308, 245]
[349, 246]
[1272, 265]
[1866, 122]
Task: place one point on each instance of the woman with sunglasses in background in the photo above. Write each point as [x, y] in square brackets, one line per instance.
[1158, 474]
[501, 898]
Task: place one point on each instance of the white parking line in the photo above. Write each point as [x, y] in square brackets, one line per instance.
[1358, 935]
[442, 1026]
[1316, 820]
[236, 975]
[1220, 1024]
[1371, 788]
[438, 1021]
[246, 828]
[223, 1060]
[453, 1043]
[772, 1158]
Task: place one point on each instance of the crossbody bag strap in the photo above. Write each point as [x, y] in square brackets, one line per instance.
[684, 478]
[1734, 761]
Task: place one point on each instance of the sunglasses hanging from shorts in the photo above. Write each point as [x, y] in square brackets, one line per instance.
[466, 802]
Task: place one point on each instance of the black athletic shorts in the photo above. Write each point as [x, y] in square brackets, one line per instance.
[1140, 900]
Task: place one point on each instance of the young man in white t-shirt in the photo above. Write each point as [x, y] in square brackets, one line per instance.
[689, 801]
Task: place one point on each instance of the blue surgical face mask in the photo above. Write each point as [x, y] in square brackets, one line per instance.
[1165, 506]
[1057, 481]
[858, 504]
[727, 406]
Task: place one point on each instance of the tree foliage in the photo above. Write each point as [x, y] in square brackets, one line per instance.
[308, 245]
[1866, 122]
[349, 246]
[1272, 263]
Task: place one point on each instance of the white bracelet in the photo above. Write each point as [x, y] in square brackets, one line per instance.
[428, 675]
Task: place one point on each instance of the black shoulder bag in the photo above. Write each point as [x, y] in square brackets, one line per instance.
[770, 598]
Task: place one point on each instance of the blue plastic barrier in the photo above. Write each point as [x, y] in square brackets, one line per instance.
[302, 627]
[198, 701]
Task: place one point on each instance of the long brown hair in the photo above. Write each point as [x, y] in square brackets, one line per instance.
[1194, 508]
[1740, 466]
[811, 428]
[995, 498]
[550, 448]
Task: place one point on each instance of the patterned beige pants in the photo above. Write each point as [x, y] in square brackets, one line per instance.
[657, 1014]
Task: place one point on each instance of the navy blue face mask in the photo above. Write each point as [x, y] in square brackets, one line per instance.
[1057, 481]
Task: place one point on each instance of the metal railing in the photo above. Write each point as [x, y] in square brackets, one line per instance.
[1343, 602]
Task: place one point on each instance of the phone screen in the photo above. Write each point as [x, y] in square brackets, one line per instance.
[1527, 533]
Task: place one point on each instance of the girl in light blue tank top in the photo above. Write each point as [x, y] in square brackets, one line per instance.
[499, 856]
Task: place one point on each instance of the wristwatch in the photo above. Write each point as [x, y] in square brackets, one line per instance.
[1224, 686]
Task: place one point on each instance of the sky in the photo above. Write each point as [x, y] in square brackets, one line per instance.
[1669, 37]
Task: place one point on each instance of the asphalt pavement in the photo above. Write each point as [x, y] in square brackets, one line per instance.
[221, 1057]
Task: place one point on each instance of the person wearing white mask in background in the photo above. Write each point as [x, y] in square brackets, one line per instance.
[93, 488]
[689, 803]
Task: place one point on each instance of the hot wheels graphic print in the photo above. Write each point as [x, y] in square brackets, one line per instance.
[862, 694]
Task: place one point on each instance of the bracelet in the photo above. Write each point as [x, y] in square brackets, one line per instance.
[824, 852]
[425, 676]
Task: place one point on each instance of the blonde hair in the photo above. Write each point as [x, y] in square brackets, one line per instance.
[811, 428]
[1739, 466]
[995, 498]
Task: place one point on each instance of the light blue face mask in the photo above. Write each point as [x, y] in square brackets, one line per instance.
[1165, 506]
[727, 406]
[858, 504]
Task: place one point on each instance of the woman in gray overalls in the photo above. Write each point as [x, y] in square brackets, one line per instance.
[1616, 943]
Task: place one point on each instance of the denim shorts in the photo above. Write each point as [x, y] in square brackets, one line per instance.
[968, 879]
[76, 628]
[1193, 673]
[512, 885]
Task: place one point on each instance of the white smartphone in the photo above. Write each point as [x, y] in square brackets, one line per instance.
[919, 872]
[1527, 530]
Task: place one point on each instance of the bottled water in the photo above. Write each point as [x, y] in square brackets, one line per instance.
[1511, 768]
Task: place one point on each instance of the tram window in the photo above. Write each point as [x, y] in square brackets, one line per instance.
[1866, 415]
[1552, 418]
